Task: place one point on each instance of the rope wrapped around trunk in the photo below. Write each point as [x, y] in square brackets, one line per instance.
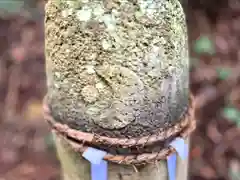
[134, 151]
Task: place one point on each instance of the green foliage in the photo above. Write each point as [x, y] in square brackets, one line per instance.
[11, 6]
[16, 7]
[204, 45]
[50, 142]
[233, 114]
[235, 175]
[223, 73]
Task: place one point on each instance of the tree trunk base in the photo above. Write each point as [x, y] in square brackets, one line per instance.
[75, 167]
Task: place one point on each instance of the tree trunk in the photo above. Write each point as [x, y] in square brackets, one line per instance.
[119, 69]
[74, 167]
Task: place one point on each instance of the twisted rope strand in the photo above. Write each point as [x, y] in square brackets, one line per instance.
[121, 142]
[183, 129]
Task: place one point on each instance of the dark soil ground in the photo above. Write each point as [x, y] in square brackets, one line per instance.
[26, 151]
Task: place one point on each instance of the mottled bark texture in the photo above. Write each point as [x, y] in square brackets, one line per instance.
[117, 68]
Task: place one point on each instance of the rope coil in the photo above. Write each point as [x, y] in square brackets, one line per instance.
[80, 141]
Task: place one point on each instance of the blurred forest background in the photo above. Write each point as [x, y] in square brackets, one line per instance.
[26, 149]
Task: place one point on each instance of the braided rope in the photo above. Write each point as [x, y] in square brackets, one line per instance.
[183, 129]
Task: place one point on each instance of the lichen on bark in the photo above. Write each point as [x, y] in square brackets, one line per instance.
[116, 67]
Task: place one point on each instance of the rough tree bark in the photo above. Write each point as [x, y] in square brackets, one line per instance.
[117, 68]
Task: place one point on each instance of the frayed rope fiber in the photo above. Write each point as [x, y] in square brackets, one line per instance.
[80, 141]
